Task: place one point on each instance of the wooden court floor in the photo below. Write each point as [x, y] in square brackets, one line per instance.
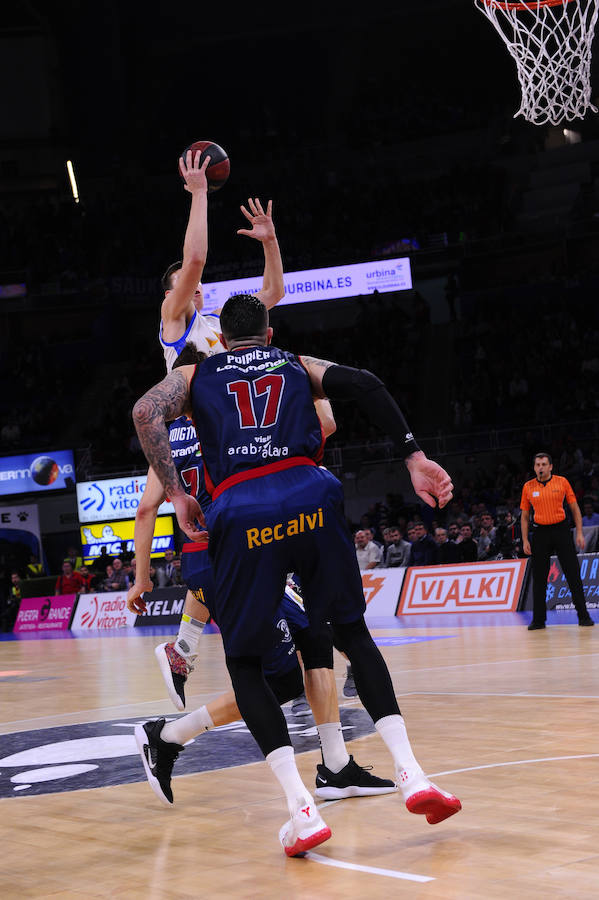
[504, 718]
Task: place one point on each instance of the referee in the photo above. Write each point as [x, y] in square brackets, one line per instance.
[545, 494]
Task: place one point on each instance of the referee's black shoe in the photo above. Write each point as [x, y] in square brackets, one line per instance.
[586, 620]
[536, 625]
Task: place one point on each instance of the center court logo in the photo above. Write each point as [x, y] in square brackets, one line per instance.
[100, 754]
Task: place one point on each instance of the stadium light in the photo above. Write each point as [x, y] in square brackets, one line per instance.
[73, 181]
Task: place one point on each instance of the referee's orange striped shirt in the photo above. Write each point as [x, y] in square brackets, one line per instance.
[547, 499]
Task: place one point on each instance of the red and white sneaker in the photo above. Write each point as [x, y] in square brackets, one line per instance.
[426, 799]
[305, 829]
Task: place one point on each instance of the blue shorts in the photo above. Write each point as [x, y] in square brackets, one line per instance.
[263, 528]
[197, 575]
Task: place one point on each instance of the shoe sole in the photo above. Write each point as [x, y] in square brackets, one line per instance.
[333, 793]
[351, 696]
[141, 739]
[434, 805]
[307, 843]
[167, 675]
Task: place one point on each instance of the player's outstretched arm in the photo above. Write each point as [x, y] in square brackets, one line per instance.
[145, 520]
[430, 481]
[263, 230]
[164, 402]
[195, 244]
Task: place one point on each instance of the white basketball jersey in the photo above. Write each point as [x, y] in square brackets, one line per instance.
[203, 331]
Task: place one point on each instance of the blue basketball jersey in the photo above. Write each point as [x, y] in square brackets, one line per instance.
[187, 457]
[253, 408]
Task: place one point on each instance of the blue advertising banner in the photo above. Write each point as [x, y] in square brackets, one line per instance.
[53, 471]
[559, 595]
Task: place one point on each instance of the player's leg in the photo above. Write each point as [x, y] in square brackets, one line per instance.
[339, 775]
[249, 584]
[176, 658]
[332, 588]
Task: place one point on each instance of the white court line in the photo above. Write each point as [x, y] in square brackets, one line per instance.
[517, 762]
[523, 694]
[371, 870]
[497, 662]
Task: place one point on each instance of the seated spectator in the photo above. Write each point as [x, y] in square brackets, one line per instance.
[34, 567]
[75, 558]
[453, 532]
[467, 547]
[153, 575]
[589, 516]
[15, 587]
[484, 544]
[508, 536]
[166, 570]
[487, 522]
[106, 583]
[70, 582]
[118, 580]
[89, 579]
[424, 550]
[371, 535]
[447, 551]
[397, 552]
[367, 553]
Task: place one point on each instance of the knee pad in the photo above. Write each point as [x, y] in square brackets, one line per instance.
[287, 686]
[351, 635]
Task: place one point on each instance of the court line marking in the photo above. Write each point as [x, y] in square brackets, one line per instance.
[497, 662]
[516, 762]
[371, 870]
[523, 694]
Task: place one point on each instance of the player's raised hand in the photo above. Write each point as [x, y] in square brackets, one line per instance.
[189, 514]
[263, 228]
[194, 173]
[135, 600]
[430, 481]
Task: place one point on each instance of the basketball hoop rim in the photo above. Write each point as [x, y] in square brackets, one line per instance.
[531, 5]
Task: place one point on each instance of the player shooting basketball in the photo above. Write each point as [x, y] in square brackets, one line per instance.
[181, 318]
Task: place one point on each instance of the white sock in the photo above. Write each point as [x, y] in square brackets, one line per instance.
[187, 727]
[334, 751]
[282, 763]
[188, 639]
[392, 729]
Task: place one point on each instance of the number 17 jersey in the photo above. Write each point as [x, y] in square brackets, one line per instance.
[253, 408]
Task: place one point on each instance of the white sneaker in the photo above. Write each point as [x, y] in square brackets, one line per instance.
[424, 798]
[305, 829]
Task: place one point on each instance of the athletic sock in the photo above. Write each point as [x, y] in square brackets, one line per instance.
[188, 639]
[392, 729]
[282, 763]
[334, 751]
[187, 727]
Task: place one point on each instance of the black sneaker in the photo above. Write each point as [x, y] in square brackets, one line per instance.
[158, 757]
[349, 688]
[352, 781]
[534, 626]
[586, 621]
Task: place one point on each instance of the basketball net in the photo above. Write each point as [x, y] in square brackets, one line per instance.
[550, 41]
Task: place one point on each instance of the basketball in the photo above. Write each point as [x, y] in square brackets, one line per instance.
[219, 168]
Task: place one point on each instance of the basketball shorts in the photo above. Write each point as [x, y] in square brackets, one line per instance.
[263, 528]
[280, 658]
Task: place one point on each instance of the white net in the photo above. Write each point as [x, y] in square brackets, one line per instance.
[550, 41]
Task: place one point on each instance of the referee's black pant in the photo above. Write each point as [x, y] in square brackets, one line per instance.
[545, 541]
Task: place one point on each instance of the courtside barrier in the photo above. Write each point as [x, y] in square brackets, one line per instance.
[558, 594]
[164, 606]
[495, 586]
[381, 590]
[102, 612]
[38, 614]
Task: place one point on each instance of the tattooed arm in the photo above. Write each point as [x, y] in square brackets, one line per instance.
[316, 369]
[162, 403]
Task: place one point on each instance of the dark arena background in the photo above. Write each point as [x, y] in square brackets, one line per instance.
[428, 236]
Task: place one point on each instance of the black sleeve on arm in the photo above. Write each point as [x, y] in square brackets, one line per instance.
[373, 399]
